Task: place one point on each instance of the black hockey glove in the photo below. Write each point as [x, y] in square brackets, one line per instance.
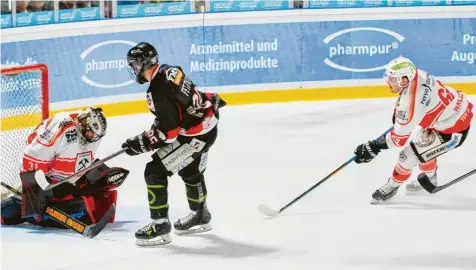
[366, 152]
[144, 142]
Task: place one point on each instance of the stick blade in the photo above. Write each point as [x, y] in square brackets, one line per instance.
[424, 181]
[94, 230]
[267, 211]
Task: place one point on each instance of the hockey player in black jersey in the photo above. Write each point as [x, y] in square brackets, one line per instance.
[184, 129]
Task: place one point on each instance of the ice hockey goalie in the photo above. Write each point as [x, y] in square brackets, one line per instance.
[61, 146]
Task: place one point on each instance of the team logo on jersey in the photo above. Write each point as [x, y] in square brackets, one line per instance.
[71, 136]
[402, 115]
[46, 137]
[66, 122]
[83, 160]
[174, 75]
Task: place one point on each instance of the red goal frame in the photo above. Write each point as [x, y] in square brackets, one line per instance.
[44, 82]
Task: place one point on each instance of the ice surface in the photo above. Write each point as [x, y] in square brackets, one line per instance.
[270, 154]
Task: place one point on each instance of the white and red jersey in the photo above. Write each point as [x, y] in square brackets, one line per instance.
[55, 147]
[430, 104]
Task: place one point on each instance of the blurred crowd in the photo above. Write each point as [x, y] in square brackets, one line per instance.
[23, 6]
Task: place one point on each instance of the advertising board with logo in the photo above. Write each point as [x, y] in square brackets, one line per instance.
[6, 21]
[156, 9]
[247, 5]
[79, 14]
[383, 3]
[35, 18]
[91, 66]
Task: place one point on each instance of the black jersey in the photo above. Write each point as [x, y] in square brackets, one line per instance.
[179, 108]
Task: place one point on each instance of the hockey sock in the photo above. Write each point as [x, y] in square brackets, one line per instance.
[429, 167]
[196, 191]
[156, 180]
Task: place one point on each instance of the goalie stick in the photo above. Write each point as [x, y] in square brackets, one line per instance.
[45, 185]
[270, 212]
[89, 231]
[425, 182]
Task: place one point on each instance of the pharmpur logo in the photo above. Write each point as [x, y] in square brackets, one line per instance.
[104, 65]
[370, 50]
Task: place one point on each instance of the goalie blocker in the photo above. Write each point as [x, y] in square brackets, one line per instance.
[87, 201]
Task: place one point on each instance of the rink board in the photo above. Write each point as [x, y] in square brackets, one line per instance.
[273, 56]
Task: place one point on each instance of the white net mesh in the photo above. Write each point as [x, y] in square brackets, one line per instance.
[23, 91]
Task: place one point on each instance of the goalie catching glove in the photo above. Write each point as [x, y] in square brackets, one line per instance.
[145, 142]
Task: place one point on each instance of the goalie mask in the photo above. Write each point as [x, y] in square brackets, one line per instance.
[139, 58]
[92, 124]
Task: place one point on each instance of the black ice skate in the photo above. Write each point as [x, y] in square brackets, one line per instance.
[195, 222]
[155, 233]
[386, 192]
[414, 187]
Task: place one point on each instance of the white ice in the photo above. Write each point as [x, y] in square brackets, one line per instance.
[270, 154]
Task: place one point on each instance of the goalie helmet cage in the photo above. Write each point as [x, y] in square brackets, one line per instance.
[24, 105]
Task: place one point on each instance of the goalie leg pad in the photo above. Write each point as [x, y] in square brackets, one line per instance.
[80, 208]
[34, 198]
[11, 212]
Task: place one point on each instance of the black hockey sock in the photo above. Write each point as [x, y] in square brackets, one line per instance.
[158, 197]
[196, 193]
[157, 181]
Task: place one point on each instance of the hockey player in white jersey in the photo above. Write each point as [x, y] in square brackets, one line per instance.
[443, 113]
[61, 146]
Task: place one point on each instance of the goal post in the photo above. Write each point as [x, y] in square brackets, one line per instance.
[24, 105]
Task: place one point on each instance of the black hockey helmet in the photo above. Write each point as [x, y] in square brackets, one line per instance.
[139, 58]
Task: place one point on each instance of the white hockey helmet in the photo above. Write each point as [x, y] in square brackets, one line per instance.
[92, 124]
[401, 67]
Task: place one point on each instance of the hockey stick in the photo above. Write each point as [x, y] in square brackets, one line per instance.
[45, 185]
[89, 231]
[424, 181]
[270, 212]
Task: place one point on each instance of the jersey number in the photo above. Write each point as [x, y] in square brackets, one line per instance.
[32, 166]
[445, 95]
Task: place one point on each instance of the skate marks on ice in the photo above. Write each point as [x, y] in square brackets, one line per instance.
[414, 260]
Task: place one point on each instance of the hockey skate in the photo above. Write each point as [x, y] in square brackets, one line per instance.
[385, 193]
[195, 222]
[155, 233]
[414, 187]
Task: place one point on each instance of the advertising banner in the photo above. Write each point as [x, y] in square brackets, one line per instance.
[319, 4]
[79, 14]
[35, 18]
[92, 66]
[6, 21]
[156, 9]
[247, 5]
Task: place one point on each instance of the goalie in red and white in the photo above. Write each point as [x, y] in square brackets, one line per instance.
[61, 146]
[443, 113]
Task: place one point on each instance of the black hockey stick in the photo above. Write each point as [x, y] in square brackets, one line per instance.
[424, 181]
[270, 212]
[41, 179]
[89, 231]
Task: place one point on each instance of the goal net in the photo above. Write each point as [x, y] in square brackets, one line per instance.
[24, 104]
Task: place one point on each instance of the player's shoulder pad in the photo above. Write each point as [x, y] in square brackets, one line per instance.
[61, 124]
[172, 73]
